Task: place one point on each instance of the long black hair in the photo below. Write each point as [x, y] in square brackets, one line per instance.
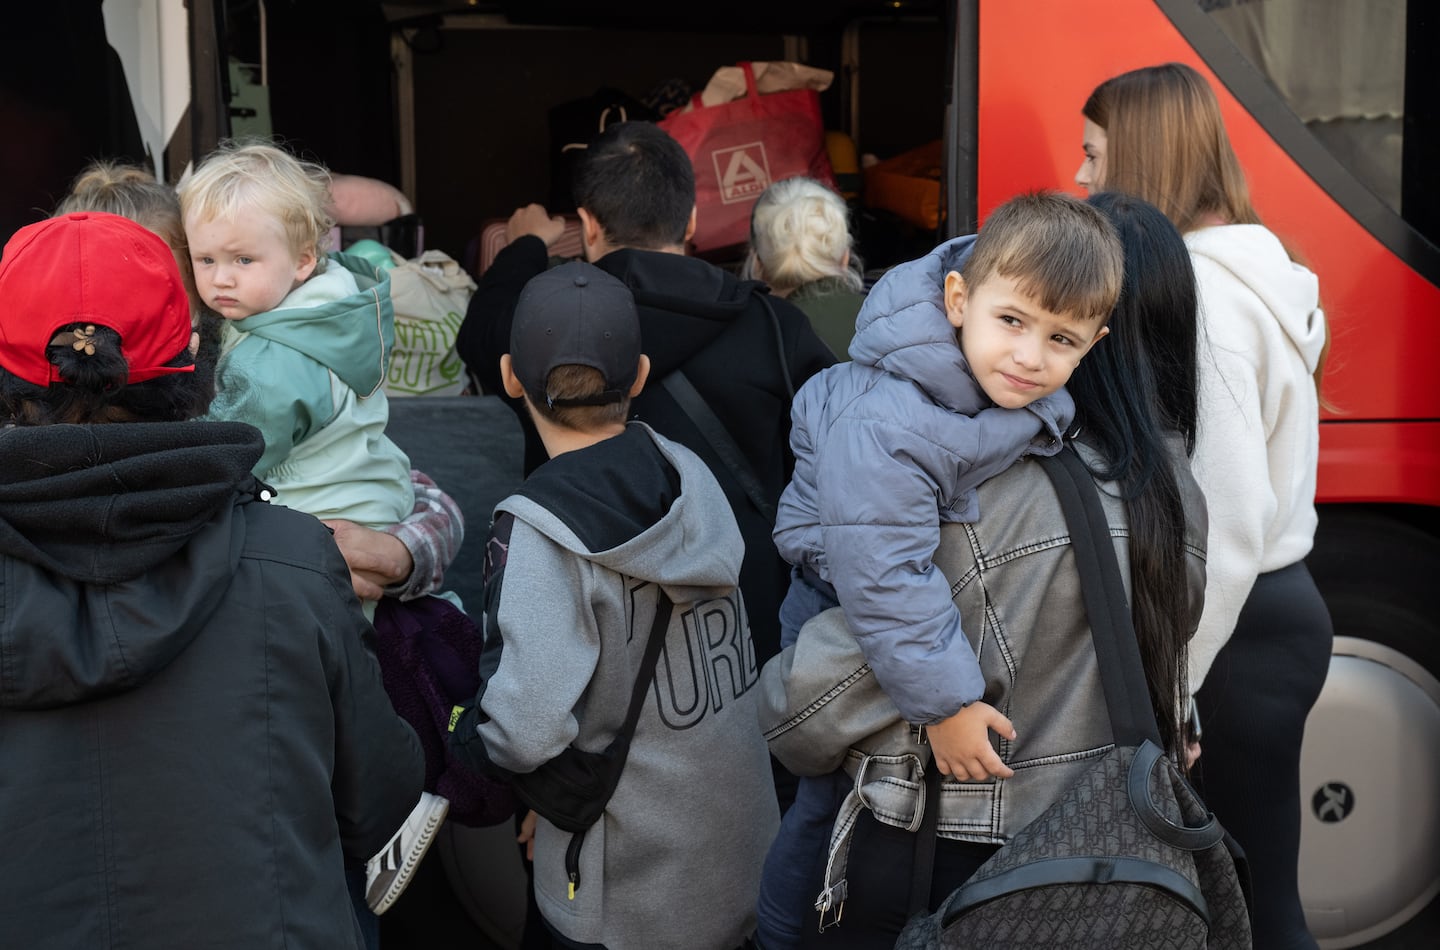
[1136, 398]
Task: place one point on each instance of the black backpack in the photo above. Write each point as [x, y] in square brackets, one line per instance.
[1128, 857]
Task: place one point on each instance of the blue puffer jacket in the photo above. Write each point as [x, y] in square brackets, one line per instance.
[887, 447]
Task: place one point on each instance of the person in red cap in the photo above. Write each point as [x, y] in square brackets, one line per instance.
[196, 736]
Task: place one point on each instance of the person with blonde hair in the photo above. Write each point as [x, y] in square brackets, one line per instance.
[304, 350]
[1263, 646]
[800, 245]
[132, 192]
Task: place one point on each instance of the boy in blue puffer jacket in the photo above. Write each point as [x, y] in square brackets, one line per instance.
[958, 364]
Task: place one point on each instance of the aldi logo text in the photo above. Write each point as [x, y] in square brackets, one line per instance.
[743, 171]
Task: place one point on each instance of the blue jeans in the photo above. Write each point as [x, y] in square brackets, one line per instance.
[796, 860]
[795, 863]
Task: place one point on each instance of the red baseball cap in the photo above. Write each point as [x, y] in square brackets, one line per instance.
[96, 268]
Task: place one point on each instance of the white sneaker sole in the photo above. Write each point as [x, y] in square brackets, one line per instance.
[388, 873]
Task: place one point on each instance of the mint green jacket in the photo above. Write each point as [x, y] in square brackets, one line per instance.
[307, 375]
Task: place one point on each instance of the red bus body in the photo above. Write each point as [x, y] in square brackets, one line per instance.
[1040, 59]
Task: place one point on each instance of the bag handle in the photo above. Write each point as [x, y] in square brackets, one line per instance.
[1122, 675]
[751, 90]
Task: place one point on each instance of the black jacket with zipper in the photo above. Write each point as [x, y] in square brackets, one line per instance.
[744, 364]
[194, 732]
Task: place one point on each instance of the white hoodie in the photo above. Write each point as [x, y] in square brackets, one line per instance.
[1262, 333]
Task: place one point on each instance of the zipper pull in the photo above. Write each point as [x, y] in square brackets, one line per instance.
[572, 861]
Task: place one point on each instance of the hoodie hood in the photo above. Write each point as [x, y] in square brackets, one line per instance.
[902, 329]
[342, 318]
[119, 541]
[1258, 260]
[684, 303]
[639, 505]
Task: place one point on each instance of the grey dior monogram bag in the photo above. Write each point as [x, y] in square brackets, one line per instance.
[1128, 856]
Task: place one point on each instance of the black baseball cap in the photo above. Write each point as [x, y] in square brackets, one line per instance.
[576, 314]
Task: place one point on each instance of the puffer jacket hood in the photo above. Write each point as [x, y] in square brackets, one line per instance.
[357, 346]
[92, 520]
[902, 329]
[1259, 261]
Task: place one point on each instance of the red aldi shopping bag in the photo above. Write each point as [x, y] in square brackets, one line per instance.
[739, 147]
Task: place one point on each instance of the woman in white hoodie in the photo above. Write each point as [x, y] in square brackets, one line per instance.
[1260, 655]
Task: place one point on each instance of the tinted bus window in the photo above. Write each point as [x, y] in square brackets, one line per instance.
[1341, 67]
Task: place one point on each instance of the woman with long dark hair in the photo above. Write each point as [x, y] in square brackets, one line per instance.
[1135, 396]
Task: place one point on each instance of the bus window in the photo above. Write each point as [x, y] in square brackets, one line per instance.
[1341, 68]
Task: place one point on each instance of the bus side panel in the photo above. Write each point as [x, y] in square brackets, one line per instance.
[1381, 462]
[1038, 62]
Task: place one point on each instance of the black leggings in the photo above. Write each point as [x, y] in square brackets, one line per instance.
[882, 860]
[1252, 709]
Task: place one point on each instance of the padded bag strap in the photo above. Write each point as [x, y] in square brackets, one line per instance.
[1116, 651]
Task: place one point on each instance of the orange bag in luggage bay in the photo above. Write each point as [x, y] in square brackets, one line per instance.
[908, 185]
[739, 147]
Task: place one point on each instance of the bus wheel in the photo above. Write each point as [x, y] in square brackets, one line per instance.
[1370, 766]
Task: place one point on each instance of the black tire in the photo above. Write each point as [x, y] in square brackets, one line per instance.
[1378, 575]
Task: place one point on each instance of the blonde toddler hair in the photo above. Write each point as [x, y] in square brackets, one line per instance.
[259, 175]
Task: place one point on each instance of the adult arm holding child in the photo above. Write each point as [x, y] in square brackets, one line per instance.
[408, 559]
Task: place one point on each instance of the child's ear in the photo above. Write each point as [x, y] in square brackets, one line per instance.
[305, 265]
[956, 294]
[642, 373]
[590, 232]
[1104, 332]
[509, 380]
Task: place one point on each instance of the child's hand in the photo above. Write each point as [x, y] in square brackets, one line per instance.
[961, 744]
[527, 835]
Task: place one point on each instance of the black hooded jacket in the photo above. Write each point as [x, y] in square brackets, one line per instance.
[194, 733]
[746, 365]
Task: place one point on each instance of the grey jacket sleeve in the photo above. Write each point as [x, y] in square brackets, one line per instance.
[881, 486]
[879, 503]
[548, 647]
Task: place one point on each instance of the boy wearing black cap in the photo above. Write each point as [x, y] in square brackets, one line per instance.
[586, 546]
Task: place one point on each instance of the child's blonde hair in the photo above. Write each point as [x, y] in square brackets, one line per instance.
[257, 174]
[1058, 249]
[799, 232]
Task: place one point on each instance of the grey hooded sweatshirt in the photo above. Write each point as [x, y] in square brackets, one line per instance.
[587, 542]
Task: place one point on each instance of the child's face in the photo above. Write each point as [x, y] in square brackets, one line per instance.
[1017, 350]
[244, 265]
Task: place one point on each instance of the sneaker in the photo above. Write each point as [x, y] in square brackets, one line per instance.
[389, 872]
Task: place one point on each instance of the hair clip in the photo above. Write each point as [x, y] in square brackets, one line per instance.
[78, 339]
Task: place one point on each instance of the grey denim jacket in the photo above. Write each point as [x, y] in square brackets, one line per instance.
[1013, 579]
